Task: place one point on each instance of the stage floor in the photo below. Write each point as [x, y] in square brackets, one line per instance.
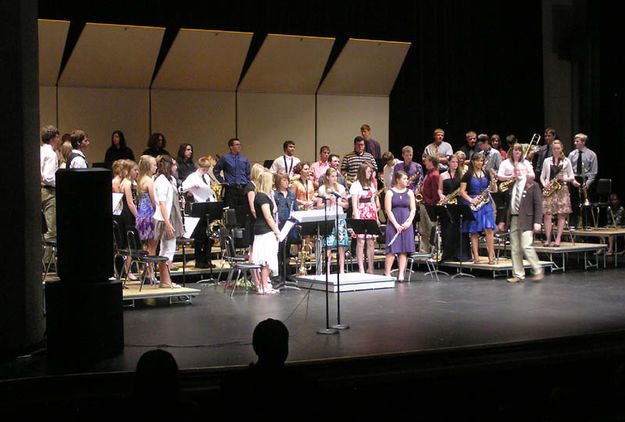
[215, 330]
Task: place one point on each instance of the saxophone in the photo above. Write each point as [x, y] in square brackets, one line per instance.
[451, 199]
[554, 184]
[419, 196]
[505, 185]
[484, 197]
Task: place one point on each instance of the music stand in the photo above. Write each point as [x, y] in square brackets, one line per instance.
[434, 214]
[364, 227]
[286, 257]
[463, 210]
[209, 211]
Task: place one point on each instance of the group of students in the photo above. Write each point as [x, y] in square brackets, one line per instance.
[154, 210]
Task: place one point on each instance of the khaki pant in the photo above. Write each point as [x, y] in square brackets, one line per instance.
[48, 207]
[521, 244]
[425, 228]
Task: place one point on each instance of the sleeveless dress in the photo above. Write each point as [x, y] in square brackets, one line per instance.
[145, 217]
[342, 237]
[125, 221]
[400, 205]
[366, 209]
[450, 228]
[484, 217]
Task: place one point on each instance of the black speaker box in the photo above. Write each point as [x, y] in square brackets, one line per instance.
[84, 221]
[84, 323]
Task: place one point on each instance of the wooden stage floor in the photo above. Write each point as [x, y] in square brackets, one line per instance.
[215, 329]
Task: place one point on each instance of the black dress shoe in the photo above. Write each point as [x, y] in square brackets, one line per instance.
[204, 265]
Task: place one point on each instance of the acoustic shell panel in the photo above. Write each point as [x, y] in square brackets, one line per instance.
[113, 56]
[265, 121]
[52, 38]
[201, 59]
[339, 118]
[100, 111]
[205, 119]
[288, 64]
[365, 67]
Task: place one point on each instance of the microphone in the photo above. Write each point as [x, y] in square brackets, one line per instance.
[324, 197]
[332, 192]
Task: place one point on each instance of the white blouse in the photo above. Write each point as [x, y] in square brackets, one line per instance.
[164, 191]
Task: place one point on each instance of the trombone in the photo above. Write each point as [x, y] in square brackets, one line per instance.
[533, 144]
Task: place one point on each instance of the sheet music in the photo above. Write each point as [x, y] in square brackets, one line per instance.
[189, 226]
[286, 229]
[117, 203]
[315, 215]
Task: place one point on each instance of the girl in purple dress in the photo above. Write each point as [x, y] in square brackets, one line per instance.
[146, 203]
[399, 204]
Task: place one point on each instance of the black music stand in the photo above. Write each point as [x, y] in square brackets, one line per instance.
[464, 212]
[209, 211]
[435, 213]
[364, 227]
[323, 228]
[286, 257]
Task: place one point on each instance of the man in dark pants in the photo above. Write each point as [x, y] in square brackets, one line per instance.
[236, 174]
[524, 214]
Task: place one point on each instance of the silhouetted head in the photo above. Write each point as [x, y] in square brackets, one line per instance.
[157, 371]
[271, 342]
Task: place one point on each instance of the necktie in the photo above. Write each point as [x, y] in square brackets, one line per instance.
[579, 163]
[204, 179]
[516, 202]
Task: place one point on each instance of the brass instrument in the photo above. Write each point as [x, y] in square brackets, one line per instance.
[583, 190]
[535, 140]
[583, 200]
[303, 256]
[505, 185]
[484, 197]
[451, 199]
[419, 196]
[554, 184]
[219, 191]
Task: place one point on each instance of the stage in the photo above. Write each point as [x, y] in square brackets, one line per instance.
[215, 330]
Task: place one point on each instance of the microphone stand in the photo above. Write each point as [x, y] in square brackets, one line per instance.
[327, 329]
[338, 324]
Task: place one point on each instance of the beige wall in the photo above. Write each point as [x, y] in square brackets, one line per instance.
[47, 105]
[204, 119]
[339, 119]
[265, 121]
[100, 111]
[207, 119]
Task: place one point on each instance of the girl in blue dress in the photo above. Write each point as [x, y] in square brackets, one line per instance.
[473, 183]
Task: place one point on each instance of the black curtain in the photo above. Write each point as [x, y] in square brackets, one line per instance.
[472, 66]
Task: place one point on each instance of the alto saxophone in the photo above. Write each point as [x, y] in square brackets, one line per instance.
[505, 185]
[554, 184]
[484, 197]
[419, 196]
[451, 199]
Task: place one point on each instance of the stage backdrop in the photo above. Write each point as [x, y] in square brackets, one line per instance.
[205, 87]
